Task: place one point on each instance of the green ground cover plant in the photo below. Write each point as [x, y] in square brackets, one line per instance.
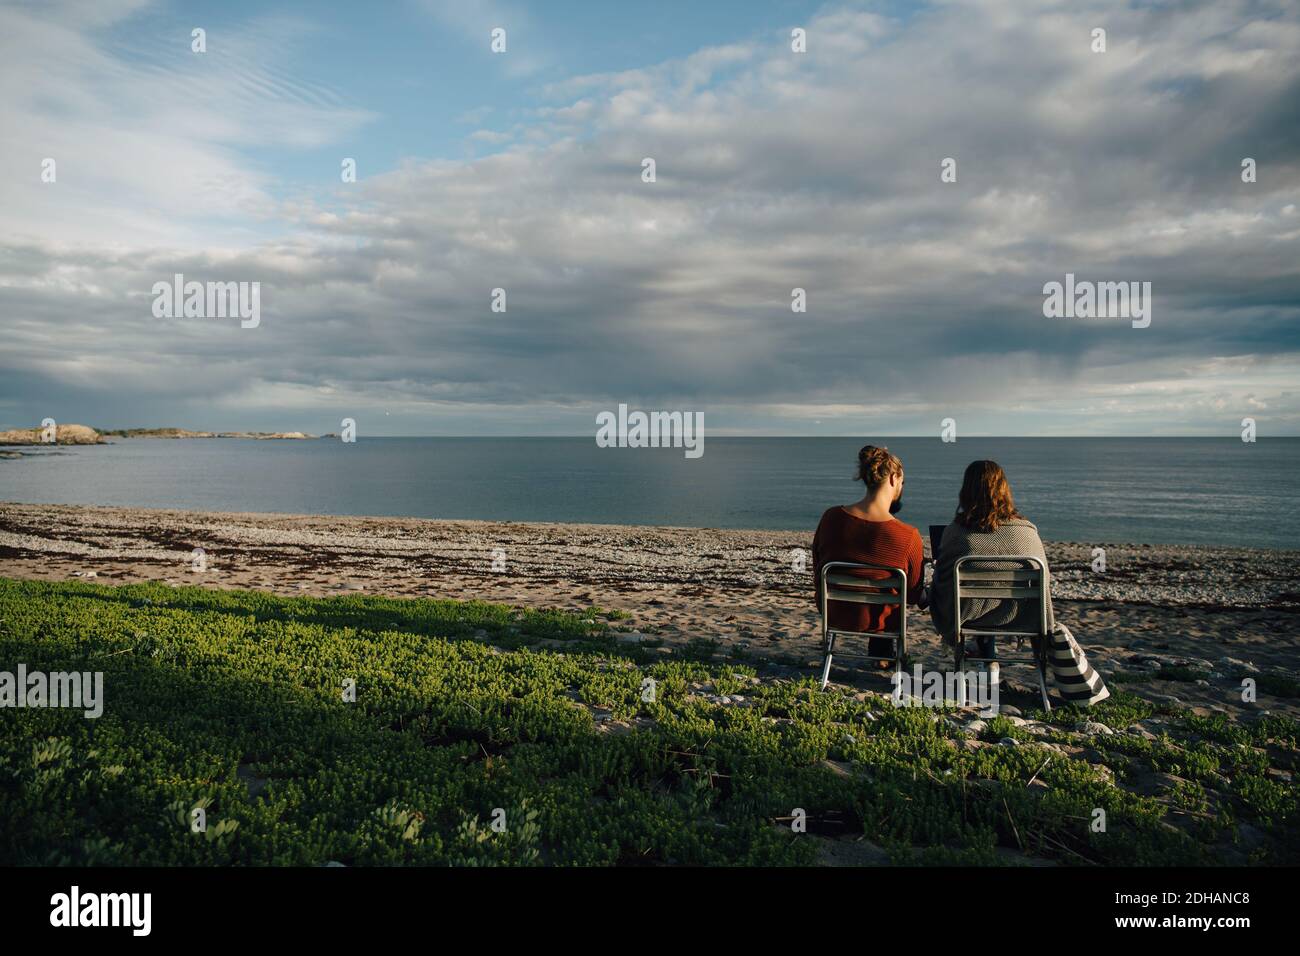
[486, 735]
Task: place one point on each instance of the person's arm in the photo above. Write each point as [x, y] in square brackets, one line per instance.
[1041, 552]
[942, 612]
[916, 572]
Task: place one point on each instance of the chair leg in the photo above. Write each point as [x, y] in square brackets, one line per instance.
[826, 664]
[1042, 678]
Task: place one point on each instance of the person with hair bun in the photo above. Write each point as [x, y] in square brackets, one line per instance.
[867, 532]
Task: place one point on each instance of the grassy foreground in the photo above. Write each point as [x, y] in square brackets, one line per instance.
[233, 702]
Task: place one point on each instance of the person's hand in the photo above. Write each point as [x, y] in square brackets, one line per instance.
[923, 599]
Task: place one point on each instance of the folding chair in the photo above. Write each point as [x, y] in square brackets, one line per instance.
[1026, 582]
[887, 587]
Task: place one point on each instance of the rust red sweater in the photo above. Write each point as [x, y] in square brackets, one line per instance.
[842, 536]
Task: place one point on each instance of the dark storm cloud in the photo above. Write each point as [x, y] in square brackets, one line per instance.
[774, 171]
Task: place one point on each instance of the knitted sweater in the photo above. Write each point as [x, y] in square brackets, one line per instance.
[844, 536]
[1016, 536]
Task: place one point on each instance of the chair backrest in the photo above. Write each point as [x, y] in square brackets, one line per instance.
[987, 576]
[859, 583]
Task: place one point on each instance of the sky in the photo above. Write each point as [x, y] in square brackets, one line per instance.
[775, 170]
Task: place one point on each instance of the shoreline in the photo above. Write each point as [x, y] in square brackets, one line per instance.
[1248, 551]
[1158, 575]
[1209, 614]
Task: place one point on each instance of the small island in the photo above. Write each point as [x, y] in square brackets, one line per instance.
[63, 435]
[186, 433]
[85, 435]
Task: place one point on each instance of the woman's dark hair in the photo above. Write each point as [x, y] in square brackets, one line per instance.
[985, 502]
[876, 465]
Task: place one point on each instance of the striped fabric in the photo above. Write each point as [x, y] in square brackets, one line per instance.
[1071, 672]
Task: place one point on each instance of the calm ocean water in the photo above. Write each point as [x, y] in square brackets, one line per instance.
[1155, 491]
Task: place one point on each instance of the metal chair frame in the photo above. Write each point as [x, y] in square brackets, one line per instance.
[835, 584]
[1030, 582]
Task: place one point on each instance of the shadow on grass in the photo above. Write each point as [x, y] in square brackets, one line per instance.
[452, 620]
[393, 778]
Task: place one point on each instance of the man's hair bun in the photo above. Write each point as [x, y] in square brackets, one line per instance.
[876, 465]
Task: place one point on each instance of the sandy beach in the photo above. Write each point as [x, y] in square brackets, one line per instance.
[1213, 614]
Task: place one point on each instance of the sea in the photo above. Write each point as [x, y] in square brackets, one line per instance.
[1197, 491]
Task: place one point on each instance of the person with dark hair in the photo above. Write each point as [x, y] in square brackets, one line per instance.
[867, 532]
[988, 523]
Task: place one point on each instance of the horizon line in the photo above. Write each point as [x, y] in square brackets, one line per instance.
[858, 435]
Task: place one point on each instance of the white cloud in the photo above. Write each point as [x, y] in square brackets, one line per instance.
[775, 170]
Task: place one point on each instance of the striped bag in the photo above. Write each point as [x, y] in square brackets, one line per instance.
[1071, 672]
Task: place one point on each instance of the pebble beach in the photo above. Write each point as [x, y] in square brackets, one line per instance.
[1172, 623]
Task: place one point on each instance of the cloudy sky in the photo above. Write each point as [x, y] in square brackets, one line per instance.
[522, 170]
